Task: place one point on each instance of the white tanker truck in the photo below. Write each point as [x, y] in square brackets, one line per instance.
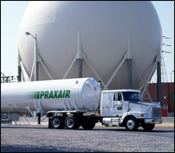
[72, 103]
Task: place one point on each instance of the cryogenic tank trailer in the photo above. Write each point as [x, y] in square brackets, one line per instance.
[72, 103]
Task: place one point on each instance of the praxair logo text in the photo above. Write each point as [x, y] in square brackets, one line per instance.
[51, 94]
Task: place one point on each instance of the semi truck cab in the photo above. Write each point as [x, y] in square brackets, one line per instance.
[125, 108]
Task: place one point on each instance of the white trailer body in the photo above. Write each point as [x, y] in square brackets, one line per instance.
[53, 95]
[79, 102]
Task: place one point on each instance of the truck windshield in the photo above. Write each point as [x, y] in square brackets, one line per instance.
[131, 96]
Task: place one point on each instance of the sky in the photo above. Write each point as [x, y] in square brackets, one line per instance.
[12, 13]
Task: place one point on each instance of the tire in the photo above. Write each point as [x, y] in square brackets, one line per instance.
[88, 124]
[148, 127]
[131, 124]
[72, 122]
[50, 123]
[57, 122]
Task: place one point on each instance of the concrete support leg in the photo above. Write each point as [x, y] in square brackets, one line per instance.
[36, 72]
[79, 68]
[19, 73]
[36, 58]
[159, 86]
[129, 73]
[19, 68]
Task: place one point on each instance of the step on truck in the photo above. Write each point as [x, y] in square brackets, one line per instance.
[71, 103]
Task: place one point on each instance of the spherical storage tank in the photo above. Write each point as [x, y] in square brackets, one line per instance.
[107, 33]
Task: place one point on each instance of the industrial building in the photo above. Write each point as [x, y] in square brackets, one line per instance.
[167, 97]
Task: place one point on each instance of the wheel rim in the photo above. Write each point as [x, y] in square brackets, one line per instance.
[130, 124]
[70, 123]
[56, 122]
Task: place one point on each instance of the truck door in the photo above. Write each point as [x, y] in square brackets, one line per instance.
[111, 104]
[117, 104]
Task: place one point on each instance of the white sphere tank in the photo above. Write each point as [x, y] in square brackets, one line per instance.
[107, 30]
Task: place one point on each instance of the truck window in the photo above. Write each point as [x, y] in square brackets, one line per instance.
[117, 97]
[131, 96]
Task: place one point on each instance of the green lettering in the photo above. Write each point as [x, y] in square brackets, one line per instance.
[41, 94]
[55, 94]
[46, 95]
[67, 93]
[60, 94]
[51, 94]
[64, 94]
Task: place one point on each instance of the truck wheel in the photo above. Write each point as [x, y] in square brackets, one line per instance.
[88, 124]
[72, 123]
[131, 124]
[57, 122]
[148, 127]
[49, 123]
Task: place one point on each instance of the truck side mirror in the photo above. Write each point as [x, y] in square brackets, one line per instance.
[118, 104]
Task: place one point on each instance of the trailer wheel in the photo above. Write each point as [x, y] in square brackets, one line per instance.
[57, 122]
[131, 124]
[147, 127]
[72, 122]
[88, 124]
[49, 123]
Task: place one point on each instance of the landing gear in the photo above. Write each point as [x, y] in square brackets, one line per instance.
[39, 118]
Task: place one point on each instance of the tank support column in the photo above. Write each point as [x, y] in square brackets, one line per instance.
[129, 73]
[79, 68]
[19, 73]
[159, 86]
[36, 58]
[36, 71]
[129, 62]
[19, 68]
[79, 56]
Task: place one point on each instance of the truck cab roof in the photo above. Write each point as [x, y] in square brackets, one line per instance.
[122, 90]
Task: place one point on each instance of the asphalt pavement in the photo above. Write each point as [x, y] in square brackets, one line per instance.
[21, 138]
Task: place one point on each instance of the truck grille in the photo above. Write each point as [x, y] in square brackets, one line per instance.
[156, 112]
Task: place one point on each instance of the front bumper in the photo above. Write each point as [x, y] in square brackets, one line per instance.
[153, 121]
